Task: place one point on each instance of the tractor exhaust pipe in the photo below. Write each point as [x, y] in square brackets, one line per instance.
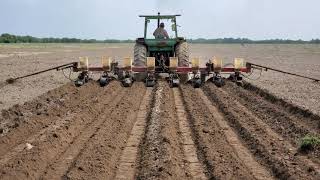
[158, 19]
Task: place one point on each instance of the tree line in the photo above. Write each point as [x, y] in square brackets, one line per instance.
[248, 41]
[9, 38]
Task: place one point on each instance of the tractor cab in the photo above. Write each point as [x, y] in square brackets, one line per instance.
[153, 22]
[161, 48]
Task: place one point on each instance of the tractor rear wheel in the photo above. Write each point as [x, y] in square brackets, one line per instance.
[182, 52]
[140, 55]
[140, 59]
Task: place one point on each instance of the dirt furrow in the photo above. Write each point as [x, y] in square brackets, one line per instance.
[161, 153]
[127, 162]
[288, 124]
[292, 125]
[308, 118]
[256, 170]
[54, 141]
[270, 148]
[34, 118]
[218, 148]
[60, 165]
[99, 157]
[194, 167]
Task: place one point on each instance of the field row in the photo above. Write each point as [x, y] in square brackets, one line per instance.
[157, 133]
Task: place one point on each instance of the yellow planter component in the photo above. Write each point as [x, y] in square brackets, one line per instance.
[195, 63]
[151, 63]
[217, 64]
[127, 63]
[238, 63]
[83, 62]
[173, 63]
[106, 63]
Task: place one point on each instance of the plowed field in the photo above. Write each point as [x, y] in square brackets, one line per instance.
[113, 132]
[156, 133]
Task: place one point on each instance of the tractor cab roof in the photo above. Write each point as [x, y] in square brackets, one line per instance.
[159, 16]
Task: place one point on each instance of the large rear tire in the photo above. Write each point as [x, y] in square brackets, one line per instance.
[140, 59]
[140, 55]
[182, 52]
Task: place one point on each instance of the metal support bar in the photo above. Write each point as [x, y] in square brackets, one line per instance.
[68, 65]
[285, 72]
[180, 70]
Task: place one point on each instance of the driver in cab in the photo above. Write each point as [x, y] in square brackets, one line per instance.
[160, 32]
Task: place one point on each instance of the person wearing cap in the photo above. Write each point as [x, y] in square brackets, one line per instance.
[160, 32]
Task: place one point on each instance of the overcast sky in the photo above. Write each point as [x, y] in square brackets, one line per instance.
[102, 19]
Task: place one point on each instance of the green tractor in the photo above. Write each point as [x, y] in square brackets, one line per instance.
[161, 49]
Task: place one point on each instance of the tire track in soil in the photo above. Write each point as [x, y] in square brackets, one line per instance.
[193, 166]
[269, 148]
[60, 165]
[160, 152]
[127, 162]
[290, 125]
[99, 158]
[53, 141]
[58, 104]
[218, 146]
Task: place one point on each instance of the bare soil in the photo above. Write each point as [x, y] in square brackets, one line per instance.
[208, 133]
[54, 130]
[20, 59]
